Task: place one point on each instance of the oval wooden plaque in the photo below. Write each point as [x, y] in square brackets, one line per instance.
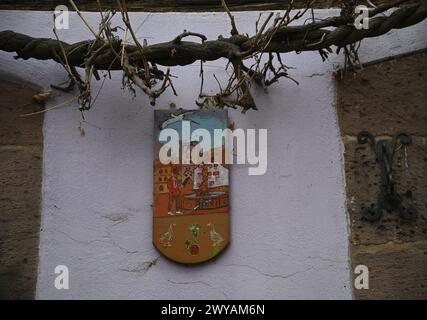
[191, 200]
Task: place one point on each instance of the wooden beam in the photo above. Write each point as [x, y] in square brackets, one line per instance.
[168, 5]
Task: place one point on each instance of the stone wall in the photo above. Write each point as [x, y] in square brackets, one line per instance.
[386, 98]
[21, 154]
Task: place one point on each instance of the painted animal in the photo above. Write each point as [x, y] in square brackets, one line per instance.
[216, 238]
[167, 237]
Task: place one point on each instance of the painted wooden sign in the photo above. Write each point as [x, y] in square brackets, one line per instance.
[191, 199]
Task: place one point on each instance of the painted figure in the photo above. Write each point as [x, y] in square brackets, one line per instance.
[216, 238]
[174, 186]
[203, 188]
[167, 237]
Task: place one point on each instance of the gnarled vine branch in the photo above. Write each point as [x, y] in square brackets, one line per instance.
[140, 62]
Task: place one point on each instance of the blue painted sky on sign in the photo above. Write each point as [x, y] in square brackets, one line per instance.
[208, 120]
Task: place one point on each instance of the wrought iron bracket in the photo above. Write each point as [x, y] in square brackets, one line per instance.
[388, 198]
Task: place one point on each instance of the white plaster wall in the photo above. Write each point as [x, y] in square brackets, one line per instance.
[289, 227]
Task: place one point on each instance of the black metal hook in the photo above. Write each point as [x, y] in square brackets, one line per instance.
[388, 198]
